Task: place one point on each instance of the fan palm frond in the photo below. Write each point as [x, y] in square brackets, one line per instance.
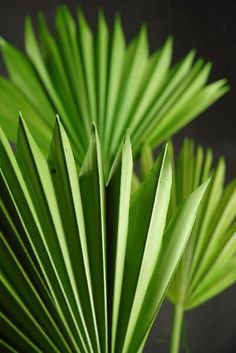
[208, 265]
[84, 265]
[99, 78]
[209, 262]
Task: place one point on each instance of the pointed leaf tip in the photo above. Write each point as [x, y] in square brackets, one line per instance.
[204, 186]
[2, 42]
[126, 141]
[21, 121]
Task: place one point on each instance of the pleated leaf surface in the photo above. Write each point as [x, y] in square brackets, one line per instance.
[208, 265]
[97, 77]
[85, 263]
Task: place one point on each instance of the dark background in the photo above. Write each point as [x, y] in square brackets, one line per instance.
[208, 26]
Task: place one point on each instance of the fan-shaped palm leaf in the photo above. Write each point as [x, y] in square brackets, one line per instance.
[85, 77]
[215, 229]
[209, 262]
[83, 267]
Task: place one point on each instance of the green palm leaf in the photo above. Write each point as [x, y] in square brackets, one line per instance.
[208, 265]
[99, 78]
[78, 270]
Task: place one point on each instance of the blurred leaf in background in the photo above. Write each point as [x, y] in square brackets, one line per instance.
[86, 77]
[209, 262]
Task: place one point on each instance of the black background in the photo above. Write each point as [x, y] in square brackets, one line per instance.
[209, 27]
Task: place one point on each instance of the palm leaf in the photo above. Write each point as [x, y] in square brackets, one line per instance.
[207, 266]
[204, 270]
[208, 263]
[83, 268]
[86, 77]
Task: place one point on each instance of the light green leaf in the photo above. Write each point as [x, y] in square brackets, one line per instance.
[92, 186]
[82, 262]
[204, 270]
[87, 77]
